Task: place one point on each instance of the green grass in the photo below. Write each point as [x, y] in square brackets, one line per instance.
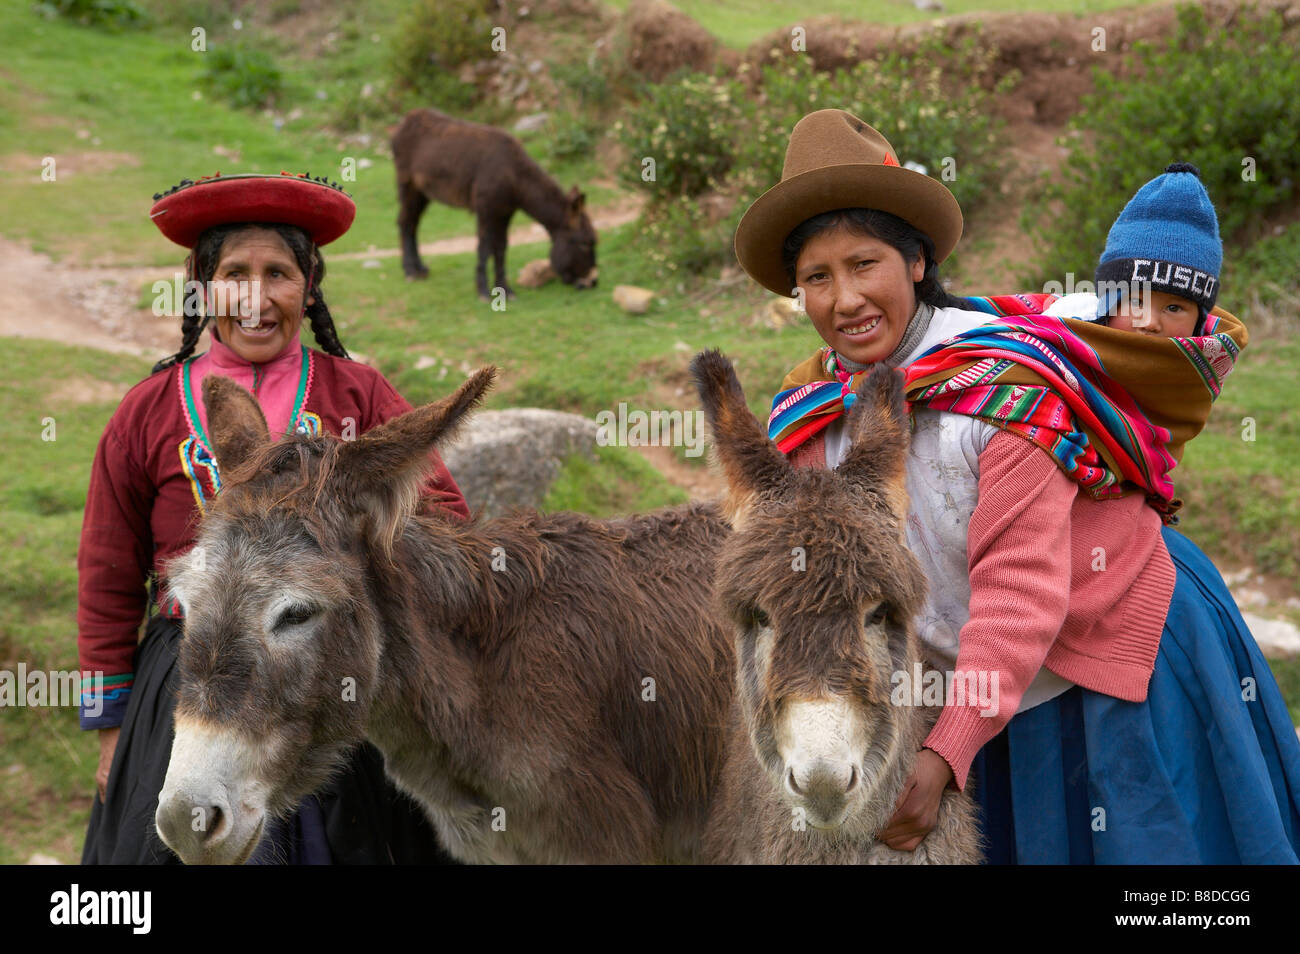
[557, 347]
[48, 764]
[738, 23]
[131, 96]
[616, 482]
[1287, 672]
[1242, 501]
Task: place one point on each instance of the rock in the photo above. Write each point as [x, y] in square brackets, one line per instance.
[782, 312]
[532, 122]
[510, 458]
[633, 299]
[39, 859]
[535, 274]
[1277, 638]
[425, 361]
[927, 5]
[1249, 598]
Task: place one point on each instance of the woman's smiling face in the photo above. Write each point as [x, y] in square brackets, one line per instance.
[257, 275]
[858, 291]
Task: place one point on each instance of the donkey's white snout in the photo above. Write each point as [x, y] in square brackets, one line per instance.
[192, 825]
[212, 807]
[821, 742]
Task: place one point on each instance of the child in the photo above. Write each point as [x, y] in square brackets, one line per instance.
[1159, 273]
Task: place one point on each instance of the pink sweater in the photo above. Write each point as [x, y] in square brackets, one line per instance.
[1057, 579]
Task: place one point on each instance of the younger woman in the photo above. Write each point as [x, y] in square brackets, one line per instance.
[1044, 565]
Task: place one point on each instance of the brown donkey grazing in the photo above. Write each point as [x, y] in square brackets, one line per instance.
[486, 170]
[549, 688]
[821, 591]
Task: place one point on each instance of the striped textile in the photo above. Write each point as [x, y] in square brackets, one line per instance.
[1044, 379]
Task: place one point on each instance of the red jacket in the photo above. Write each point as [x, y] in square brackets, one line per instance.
[151, 477]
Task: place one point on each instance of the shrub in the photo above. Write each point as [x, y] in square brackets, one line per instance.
[244, 76]
[115, 14]
[1215, 98]
[706, 133]
[572, 135]
[433, 40]
[1267, 267]
[690, 129]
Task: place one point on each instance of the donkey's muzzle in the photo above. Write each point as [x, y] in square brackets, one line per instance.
[211, 809]
[823, 787]
[202, 828]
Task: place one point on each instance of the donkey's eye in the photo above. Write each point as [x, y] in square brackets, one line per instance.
[758, 619]
[294, 616]
[878, 615]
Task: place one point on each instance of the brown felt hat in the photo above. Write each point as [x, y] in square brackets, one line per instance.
[836, 161]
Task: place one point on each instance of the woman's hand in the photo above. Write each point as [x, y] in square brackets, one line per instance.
[917, 808]
[107, 747]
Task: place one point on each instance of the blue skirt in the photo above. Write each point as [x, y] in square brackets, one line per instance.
[1205, 771]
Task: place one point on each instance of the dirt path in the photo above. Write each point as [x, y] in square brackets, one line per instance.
[89, 306]
[97, 306]
[608, 217]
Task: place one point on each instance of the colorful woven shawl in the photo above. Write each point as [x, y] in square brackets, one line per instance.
[1109, 406]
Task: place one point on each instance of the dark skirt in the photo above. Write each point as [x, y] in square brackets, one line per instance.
[1205, 771]
[361, 818]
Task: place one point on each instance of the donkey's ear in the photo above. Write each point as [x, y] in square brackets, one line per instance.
[880, 433]
[381, 472]
[236, 423]
[750, 461]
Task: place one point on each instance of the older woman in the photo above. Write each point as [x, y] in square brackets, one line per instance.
[1122, 733]
[254, 244]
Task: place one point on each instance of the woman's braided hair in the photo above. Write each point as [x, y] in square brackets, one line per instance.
[201, 265]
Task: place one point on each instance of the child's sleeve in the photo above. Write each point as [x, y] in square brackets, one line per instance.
[1018, 553]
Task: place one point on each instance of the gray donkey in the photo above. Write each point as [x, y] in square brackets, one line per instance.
[549, 688]
[821, 590]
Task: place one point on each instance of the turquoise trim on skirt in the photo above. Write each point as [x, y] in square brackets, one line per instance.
[1205, 771]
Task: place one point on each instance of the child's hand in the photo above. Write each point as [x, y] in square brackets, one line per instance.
[917, 809]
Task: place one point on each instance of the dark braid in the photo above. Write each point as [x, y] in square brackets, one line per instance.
[192, 324]
[201, 265]
[322, 322]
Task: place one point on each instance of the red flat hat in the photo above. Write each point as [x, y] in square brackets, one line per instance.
[321, 208]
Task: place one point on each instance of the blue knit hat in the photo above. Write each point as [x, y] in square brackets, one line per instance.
[1167, 237]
